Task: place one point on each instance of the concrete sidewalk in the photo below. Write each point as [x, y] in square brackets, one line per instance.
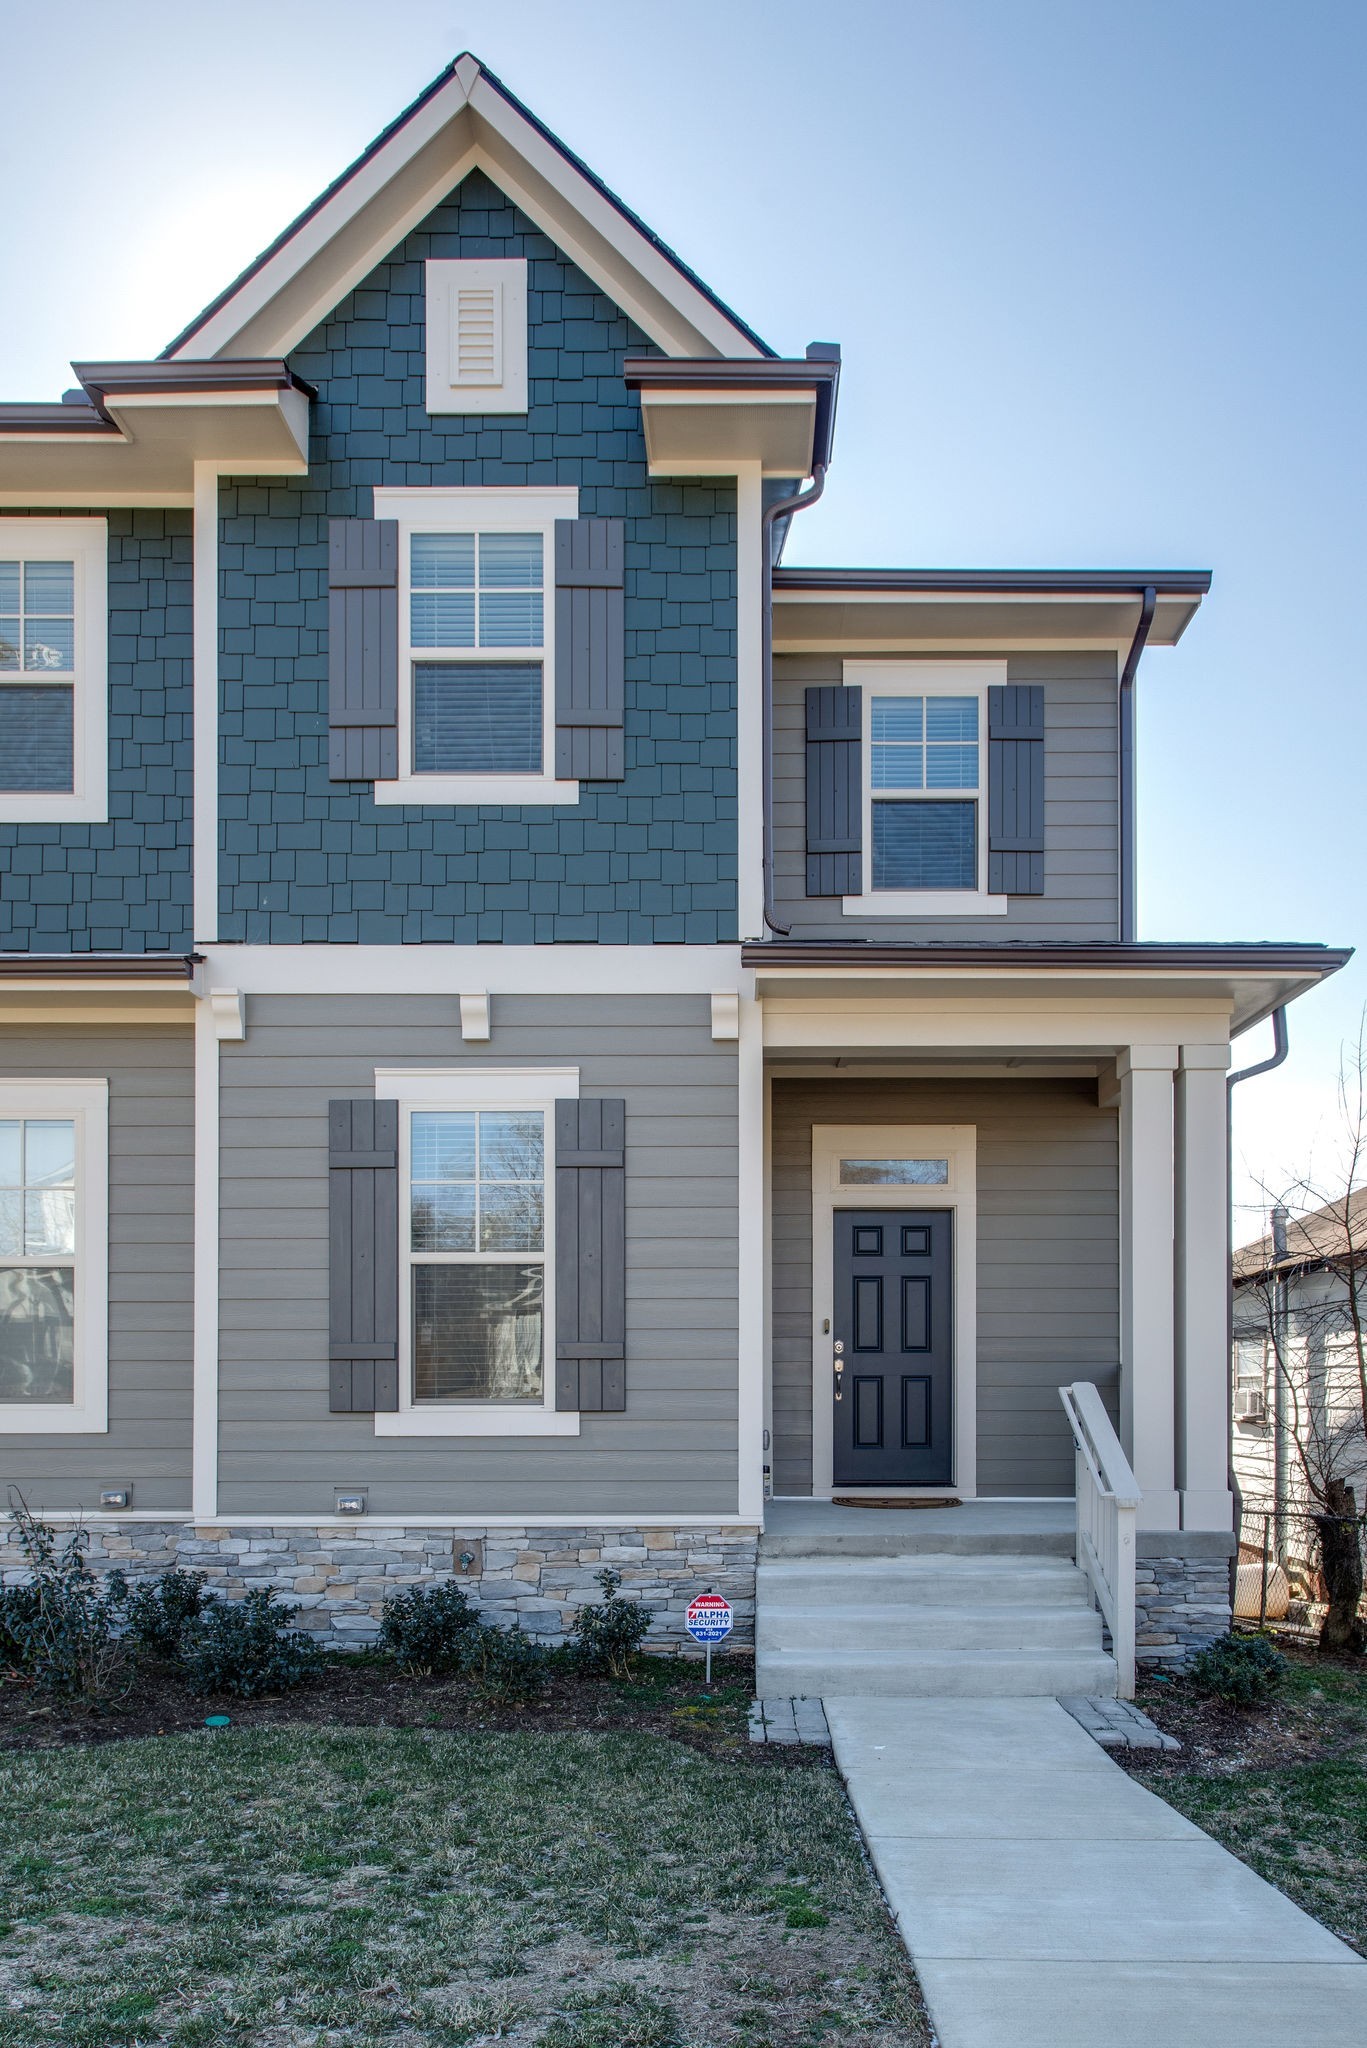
[1049, 1901]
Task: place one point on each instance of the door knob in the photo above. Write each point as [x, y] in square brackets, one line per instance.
[839, 1364]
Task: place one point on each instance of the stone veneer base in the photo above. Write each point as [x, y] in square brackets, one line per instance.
[534, 1577]
[1181, 1604]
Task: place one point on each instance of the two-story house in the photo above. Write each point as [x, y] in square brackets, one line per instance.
[530, 1028]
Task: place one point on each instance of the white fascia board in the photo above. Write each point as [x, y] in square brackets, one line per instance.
[465, 124]
[475, 970]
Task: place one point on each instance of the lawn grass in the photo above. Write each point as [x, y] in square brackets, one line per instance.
[293, 1886]
[1283, 1786]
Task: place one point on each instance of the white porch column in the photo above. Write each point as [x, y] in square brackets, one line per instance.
[1202, 1356]
[1147, 1406]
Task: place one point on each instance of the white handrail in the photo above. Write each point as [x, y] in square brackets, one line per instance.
[1106, 1496]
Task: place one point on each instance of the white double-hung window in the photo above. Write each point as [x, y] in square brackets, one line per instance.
[476, 646]
[54, 1193]
[925, 787]
[53, 670]
[476, 1315]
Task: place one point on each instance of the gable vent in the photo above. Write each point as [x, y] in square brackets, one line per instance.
[477, 334]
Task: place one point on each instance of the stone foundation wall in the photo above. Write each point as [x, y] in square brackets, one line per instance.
[534, 1577]
[1180, 1604]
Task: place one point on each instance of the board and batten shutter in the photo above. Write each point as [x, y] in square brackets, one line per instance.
[363, 650]
[590, 650]
[835, 791]
[363, 1256]
[590, 1255]
[1015, 789]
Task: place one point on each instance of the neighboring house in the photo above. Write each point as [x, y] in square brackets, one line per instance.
[501, 982]
[1299, 1424]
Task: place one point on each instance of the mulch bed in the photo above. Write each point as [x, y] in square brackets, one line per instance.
[666, 1697]
[1305, 1724]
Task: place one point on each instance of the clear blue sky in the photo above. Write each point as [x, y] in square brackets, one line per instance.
[1098, 271]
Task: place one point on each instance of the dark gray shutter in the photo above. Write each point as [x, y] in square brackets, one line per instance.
[1015, 789]
[590, 1255]
[835, 792]
[590, 650]
[363, 1255]
[363, 650]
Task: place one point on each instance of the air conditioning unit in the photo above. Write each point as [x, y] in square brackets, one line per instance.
[1250, 1404]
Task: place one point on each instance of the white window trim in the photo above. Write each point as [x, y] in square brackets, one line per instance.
[415, 1088]
[506, 278]
[86, 1102]
[86, 541]
[958, 1143]
[923, 679]
[443, 510]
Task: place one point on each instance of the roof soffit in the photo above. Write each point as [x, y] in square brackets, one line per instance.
[467, 121]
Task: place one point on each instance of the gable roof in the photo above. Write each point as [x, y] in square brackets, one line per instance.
[1310, 1240]
[466, 119]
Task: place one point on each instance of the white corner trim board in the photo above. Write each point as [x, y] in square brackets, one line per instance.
[204, 1343]
[204, 642]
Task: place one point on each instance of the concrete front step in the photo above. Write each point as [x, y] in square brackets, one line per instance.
[895, 1673]
[847, 1625]
[932, 1579]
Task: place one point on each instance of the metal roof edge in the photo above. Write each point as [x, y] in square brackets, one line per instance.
[1262, 956]
[174, 967]
[1129, 582]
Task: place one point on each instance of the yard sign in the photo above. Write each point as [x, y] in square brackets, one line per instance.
[708, 1621]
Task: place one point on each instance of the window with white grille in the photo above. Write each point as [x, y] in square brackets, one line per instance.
[476, 312]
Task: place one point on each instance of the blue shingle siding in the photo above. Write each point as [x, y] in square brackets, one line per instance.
[124, 886]
[648, 859]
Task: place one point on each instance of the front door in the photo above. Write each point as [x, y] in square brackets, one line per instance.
[893, 1342]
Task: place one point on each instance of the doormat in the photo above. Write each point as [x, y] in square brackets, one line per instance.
[887, 1500]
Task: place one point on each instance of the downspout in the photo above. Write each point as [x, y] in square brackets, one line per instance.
[782, 508]
[1280, 1048]
[1127, 851]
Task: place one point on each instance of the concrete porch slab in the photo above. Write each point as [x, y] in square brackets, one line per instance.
[817, 1528]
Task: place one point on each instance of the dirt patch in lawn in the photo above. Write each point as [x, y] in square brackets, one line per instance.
[664, 1696]
[291, 1887]
[1282, 1785]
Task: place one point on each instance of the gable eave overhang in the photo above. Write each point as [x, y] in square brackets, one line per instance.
[38, 989]
[1251, 980]
[705, 415]
[465, 120]
[872, 611]
[145, 425]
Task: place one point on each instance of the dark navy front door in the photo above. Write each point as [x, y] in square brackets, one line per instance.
[893, 1338]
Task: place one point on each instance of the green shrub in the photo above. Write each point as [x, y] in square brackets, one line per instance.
[607, 1633]
[244, 1647]
[503, 1663]
[1243, 1670]
[65, 1629]
[160, 1609]
[425, 1629]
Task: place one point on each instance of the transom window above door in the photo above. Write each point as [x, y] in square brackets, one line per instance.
[924, 754]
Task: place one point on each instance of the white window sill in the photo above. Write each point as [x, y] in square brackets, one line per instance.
[925, 903]
[50, 1419]
[521, 1421]
[52, 807]
[419, 790]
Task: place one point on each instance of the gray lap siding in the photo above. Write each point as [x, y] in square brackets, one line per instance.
[673, 1451]
[1047, 1252]
[151, 1257]
[1081, 885]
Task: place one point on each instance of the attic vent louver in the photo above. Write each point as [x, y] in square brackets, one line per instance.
[477, 334]
[476, 309]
